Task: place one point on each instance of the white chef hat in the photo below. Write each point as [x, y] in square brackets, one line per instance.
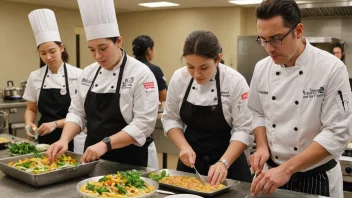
[99, 18]
[44, 26]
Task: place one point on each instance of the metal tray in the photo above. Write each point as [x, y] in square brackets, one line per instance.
[228, 183]
[150, 182]
[49, 177]
[10, 139]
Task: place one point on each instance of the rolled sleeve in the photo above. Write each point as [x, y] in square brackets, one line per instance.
[171, 115]
[145, 109]
[255, 105]
[241, 116]
[336, 116]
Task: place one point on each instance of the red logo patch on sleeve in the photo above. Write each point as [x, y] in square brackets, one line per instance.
[244, 96]
[149, 85]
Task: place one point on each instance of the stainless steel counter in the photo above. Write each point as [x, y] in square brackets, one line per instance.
[11, 104]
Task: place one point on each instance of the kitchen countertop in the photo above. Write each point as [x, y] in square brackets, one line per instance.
[10, 187]
[12, 104]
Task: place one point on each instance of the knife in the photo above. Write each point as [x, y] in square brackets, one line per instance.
[199, 176]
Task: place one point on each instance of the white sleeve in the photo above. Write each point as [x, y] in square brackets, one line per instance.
[171, 115]
[336, 114]
[254, 103]
[241, 116]
[29, 93]
[145, 108]
[76, 112]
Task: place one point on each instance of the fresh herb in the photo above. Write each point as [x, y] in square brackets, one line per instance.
[21, 149]
[103, 179]
[37, 154]
[61, 164]
[90, 187]
[101, 190]
[121, 189]
[26, 164]
[157, 177]
[133, 178]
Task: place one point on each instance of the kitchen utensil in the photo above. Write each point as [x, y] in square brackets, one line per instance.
[199, 176]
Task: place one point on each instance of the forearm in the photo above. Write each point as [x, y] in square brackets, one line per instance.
[260, 138]
[234, 150]
[121, 139]
[312, 155]
[29, 116]
[70, 130]
[162, 95]
[60, 123]
[178, 137]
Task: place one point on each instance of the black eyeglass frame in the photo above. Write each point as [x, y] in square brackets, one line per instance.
[265, 42]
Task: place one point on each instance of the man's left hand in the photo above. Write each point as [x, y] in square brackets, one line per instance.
[268, 181]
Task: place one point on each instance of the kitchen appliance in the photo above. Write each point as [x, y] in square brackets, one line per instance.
[11, 92]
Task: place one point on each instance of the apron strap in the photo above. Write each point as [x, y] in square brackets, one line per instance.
[46, 72]
[119, 81]
[66, 80]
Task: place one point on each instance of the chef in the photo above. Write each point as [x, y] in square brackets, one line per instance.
[206, 113]
[117, 96]
[49, 89]
[300, 99]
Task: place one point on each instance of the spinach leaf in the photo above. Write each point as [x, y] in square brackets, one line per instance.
[133, 178]
[121, 189]
[101, 190]
[157, 177]
[103, 179]
[90, 187]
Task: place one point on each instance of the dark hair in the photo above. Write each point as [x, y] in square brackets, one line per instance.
[342, 50]
[287, 9]
[203, 43]
[64, 54]
[140, 46]
[113, 39]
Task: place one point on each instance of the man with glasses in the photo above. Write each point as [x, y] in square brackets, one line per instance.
[301, 105]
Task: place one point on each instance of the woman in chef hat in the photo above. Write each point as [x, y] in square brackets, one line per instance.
[49, 89]
[117, 96]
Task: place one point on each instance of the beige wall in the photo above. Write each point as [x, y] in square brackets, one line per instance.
[19, 54]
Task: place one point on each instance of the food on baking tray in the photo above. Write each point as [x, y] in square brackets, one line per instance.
[123, 184]
[191, 183]
[21, 148]
[3, 139]
[40, 164]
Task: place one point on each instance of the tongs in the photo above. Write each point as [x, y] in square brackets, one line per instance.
[199, 176]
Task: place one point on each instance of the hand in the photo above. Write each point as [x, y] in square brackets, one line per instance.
[94, 152]
[55, 150]
[28, 133]
[258, 159]
[268, 181]
[188, 156]
[217, 173]
[46, 128]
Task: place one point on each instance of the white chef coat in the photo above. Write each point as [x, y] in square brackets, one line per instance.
[234, 92]
[301, 104]
[138, 100]
[54, 81]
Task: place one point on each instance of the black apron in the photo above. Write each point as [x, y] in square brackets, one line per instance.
[209, 135]
[52, 106]
[104, 119]
[314, 181]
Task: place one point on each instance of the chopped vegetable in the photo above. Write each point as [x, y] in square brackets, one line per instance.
[21, 148]
[90, 187]
[121, 189]
[101, 190]
[157, 177]
[103, 179]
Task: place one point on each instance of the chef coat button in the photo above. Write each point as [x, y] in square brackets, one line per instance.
[274, 98]
[296, 102]
[215, 98]
[277, 73]
[276, 157]
[193, 88]
[212, 90]
[296, 129]
[63, 85]
[300, 72]
[114, 74]
[99, 72]
[44, 85]
[47, 76]
[295, 148]
[96, 85]
[274, 125]
[112, 87]
[63, 76]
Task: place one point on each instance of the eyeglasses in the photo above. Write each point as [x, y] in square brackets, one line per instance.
[274, 41]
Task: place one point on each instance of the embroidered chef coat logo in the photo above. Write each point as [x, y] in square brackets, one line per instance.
[86, 82]
[148, 85]
[313, 93]
[72, 79]
[127, 83]
[244, 96]
[225, 94]
[264, 92]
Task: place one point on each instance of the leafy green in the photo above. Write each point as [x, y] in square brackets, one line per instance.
[90, 187]
[61, 164]
[133, 178]
[121, 189]
[103, 179]
[26, 164]
[157, 177]
[37, 154]
[21, 148]
[101, 190]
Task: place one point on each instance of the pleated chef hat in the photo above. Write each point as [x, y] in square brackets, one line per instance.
[99, 18]
[44, 26]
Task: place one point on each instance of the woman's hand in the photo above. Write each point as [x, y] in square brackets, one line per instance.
[46, 128]
[188, 156]
[30, 128]
[94, 152]
[217, 173]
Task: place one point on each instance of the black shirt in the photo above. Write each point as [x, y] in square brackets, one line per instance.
[158, 73]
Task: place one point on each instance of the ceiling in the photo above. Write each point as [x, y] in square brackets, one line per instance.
[132, 5]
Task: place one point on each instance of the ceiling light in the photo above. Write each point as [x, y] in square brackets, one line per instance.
[246, 2]
[158, 4]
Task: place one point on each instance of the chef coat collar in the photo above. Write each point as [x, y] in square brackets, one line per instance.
[300, 61]
[59, 71]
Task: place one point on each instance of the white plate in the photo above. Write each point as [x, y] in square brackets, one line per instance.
[184, 196]
[42, 147]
